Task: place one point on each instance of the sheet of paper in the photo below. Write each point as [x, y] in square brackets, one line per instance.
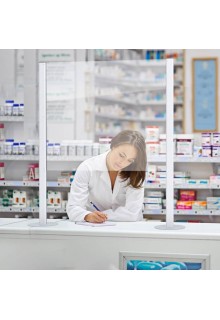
[89, 224]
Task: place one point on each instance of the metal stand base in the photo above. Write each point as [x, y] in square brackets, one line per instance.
[48, 224]
[173, 227]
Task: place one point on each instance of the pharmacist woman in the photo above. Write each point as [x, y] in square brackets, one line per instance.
[110, 186]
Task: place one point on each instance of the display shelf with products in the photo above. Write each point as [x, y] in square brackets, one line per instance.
[113, 78]
[117, 54]
[196, 176]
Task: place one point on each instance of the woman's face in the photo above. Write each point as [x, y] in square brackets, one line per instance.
[121, 157]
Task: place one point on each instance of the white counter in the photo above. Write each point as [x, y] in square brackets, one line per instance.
[71, 246]
[144, 229]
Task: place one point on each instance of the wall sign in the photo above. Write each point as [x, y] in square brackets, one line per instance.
[205, 101]
[55, 55]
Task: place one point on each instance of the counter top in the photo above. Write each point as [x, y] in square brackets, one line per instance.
[7, 221]
[143, 229]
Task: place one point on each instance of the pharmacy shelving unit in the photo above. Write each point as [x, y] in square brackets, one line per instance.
[204, 215]
[55, 212]
[128, 111]
[32, 212]
[12, 125]
[200, 168]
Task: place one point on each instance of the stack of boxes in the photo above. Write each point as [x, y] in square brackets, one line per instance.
[188, 201]
[157, 174]
[55, 200]
[153, 201]
[66, 177]
[211, 144]
[14, 198]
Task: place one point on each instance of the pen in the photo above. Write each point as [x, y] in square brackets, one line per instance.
[94, 206]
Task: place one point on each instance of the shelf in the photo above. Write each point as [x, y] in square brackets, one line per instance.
[162, 158]
[137, 104]
[183, 186]
[11, 118]
[19, 210]
[33, 184]
[18, 158]
[135, 63]
[124, 118]
[30, 210]
[55, 210]
[36, 158]
[140, 63]
[185, 212]
[55, 184]
[7, 183]
[67, 158]
[133, 83]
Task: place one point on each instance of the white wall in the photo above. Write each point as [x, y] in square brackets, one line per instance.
[189, 55]
[7, 74]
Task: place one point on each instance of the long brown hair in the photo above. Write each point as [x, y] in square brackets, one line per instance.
[136, 171]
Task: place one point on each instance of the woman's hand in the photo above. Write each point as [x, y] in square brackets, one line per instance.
[96, 217]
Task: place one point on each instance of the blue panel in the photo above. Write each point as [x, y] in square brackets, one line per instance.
[205, 95]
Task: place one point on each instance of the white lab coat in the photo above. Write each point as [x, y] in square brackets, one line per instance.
[92, 183]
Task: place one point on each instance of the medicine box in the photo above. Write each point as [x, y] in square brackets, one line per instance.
[184, 205]
[150, 206]
[199, 205]
[213, 199]
[179, 174]
[161, 175]
[152, 200]
[23, 199]
[57, 199]
[214, 179]
[16, 198]
[156, 194]
[187, 195]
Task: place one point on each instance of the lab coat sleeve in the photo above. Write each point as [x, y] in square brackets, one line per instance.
[132, 211]
[79, 193]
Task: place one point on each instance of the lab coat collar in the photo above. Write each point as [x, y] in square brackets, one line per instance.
[101, 165]
[105, 175]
